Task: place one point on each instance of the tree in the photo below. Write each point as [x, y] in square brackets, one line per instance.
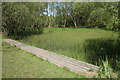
[81, 12]
[99, 18]
[111, 9]
[22, 16]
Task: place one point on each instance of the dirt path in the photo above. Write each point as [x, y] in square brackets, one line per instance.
[58, 59]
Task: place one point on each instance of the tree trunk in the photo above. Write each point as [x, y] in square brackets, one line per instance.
[57, 23]
[74, 21]
[75, 24]
[64, 23]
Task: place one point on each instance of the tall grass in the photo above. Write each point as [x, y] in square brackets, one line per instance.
[106, 70]
[88, 45]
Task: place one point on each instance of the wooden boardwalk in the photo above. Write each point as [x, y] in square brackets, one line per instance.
[58, 59]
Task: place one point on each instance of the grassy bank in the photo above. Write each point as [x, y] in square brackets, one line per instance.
[20, 64]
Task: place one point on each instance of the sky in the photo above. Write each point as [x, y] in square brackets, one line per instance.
[49, 12]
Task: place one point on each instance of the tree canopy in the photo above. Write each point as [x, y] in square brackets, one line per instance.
[22, 16]
[25, 15]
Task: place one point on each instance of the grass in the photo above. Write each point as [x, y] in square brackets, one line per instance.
[21, 64]
[89, 45]
[69, 42]
[86, 44]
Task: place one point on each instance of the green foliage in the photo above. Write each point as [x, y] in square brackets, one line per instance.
[21, 16]
[100, 18]
[106, 71]
[97, 50]
[22, 34]
[84, 14]
[116, 24]
[81, 12]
